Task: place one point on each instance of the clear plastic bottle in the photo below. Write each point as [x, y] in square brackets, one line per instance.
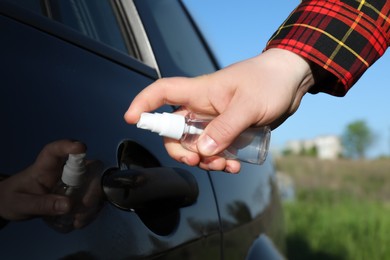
[71, 185]
[251, 146]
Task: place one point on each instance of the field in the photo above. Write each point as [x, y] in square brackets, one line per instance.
[341, 208]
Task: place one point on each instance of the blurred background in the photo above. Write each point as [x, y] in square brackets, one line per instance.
[332, 155]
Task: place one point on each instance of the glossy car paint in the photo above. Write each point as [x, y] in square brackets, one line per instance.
[59, 84]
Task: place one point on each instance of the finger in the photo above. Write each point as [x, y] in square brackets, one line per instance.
[213, 163]
[233, 166]
[172, 91]
[94, 195]
[84, 218]
[216, 163]
[28, 205]
[64, 147]
[179, 153]
[56, 152]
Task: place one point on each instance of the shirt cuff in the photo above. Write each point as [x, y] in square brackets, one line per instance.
[341, 37]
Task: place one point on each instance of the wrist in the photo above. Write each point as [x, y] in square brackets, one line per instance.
[295, 65]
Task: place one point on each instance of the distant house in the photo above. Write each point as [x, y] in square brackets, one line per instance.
[326, 146]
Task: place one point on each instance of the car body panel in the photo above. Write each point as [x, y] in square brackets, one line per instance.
[57, 83]
[83, 97]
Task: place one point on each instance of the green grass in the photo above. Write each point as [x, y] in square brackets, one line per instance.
[341, 209]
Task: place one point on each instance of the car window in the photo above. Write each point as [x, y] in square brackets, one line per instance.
[99, 20]
[32, 5]
[174, 38]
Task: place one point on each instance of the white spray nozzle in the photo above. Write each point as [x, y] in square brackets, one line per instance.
[165, 124]
[74, 169]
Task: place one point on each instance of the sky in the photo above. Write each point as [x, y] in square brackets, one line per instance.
[239, 29]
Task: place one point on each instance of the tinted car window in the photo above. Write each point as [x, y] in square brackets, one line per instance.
[32, 5]
[99, 20]
[181, 49]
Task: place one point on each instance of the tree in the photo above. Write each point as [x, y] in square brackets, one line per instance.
[357, 137]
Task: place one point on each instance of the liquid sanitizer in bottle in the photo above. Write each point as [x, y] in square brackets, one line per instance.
[251, 146]
[71, 185]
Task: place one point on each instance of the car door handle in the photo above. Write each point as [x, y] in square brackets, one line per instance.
[149, 188]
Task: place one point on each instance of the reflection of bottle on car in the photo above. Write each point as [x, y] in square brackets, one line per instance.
[251, 146]
[71, 185]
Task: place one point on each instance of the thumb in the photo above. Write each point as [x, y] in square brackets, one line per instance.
[222, 131]
[45, 205]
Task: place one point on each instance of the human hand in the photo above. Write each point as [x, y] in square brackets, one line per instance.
[27, 194]
[264, 90]
[93, 199]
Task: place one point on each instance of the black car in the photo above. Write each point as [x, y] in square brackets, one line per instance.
[69, 69]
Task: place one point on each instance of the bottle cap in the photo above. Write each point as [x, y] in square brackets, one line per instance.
[74, 169]
[165, 124]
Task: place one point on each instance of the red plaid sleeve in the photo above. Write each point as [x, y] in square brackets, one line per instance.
[343, 37]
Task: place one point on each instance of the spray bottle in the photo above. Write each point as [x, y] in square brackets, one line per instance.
[251, 146]
[71, 185]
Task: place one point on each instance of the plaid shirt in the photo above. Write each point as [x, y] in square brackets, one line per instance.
[343, 37]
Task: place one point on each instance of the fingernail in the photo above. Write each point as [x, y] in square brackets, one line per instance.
[228, 169]
[61, 205]
[207, 146]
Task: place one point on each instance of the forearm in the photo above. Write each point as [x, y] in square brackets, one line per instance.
[341, 40]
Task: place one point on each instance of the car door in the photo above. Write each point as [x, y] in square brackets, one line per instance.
[248, 203]
[66, 73]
